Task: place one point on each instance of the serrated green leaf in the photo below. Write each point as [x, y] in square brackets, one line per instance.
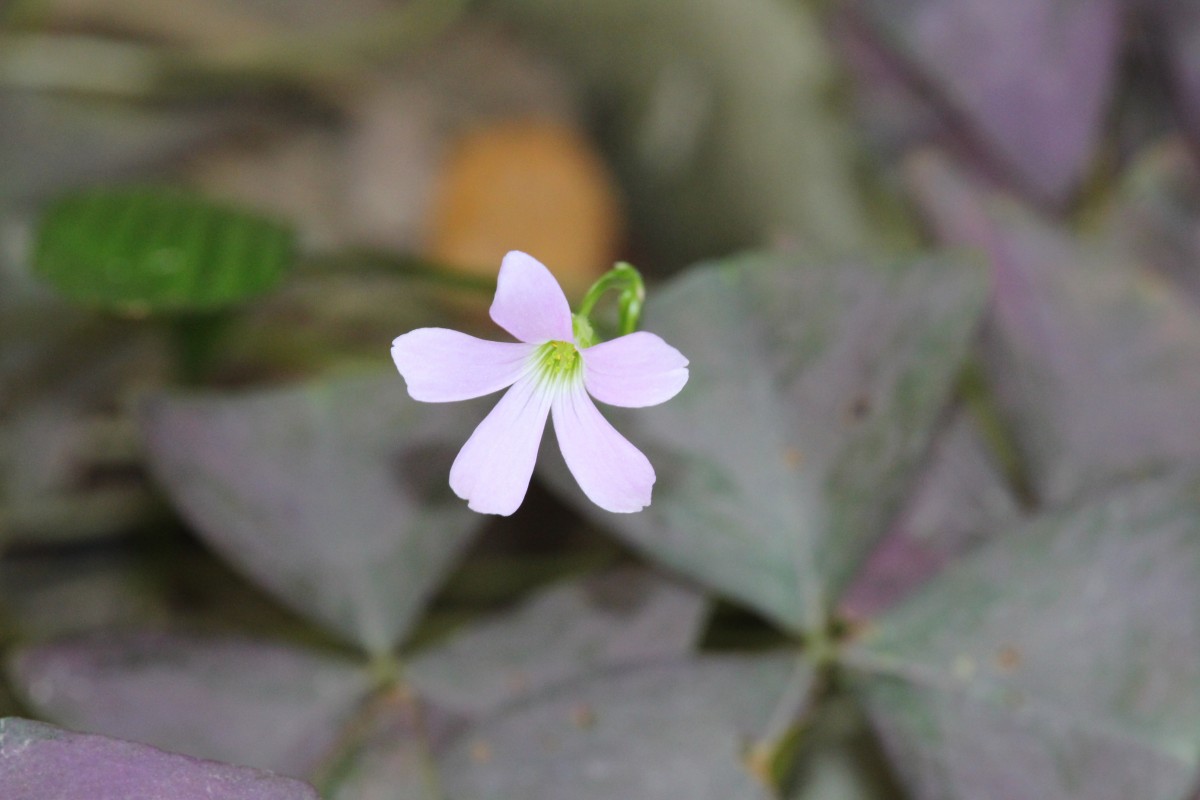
[155, 250]
[814, 393]
[1061, 662]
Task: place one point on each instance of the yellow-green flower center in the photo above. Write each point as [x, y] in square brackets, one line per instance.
[558, 363]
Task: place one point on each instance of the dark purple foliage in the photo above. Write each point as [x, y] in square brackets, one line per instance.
[1094, 361]
[960, 498]
[1059, 662]
[231, 699]
[815, 391]
[41, 762]
[332, 496]
[1030, 79]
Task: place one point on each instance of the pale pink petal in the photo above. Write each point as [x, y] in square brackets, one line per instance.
[634, 371]
[441, 365]
[529, 303]
[612, 472]
[493, 468]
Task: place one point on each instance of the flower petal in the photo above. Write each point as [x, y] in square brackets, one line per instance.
[612, 472]
[493, 468]
[634, 371]
[441, 365]
[529, 303]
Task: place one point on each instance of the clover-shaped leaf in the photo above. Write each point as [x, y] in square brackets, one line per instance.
[682, 729]
[571, 629]
[330, 495]
[1059, 662]
[1094, 362]
[1031, 77]
[814, 393]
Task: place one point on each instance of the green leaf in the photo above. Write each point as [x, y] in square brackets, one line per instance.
[332, 495]
[684, 729]
[155, 249]
[1060, 662]
[814, 394]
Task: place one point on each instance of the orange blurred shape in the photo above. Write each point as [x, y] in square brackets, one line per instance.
[531, 185]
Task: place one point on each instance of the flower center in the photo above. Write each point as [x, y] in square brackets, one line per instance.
[558, 363]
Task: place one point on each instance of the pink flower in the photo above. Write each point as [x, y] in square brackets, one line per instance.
[547, 372]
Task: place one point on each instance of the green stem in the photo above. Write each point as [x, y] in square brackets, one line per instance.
[631, 295]
[773, 755]
[997, 434]
[429, 769]
[196, 340]
[391, 691]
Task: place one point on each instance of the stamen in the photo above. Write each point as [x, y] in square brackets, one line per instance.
[558, 364]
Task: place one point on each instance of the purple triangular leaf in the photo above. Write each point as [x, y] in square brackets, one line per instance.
[569, 630]
[1157, 212]
[661, 732]
[1096, 363]
[815, 391]
[226, 698]
[1177, 24]
[1057, 663]
[41, 762]
[1031, 78]
[333, 495]
[958, 500]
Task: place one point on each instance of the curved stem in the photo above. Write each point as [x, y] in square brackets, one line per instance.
[624, 279]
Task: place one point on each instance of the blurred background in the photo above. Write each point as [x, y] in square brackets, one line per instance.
[382, 155]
